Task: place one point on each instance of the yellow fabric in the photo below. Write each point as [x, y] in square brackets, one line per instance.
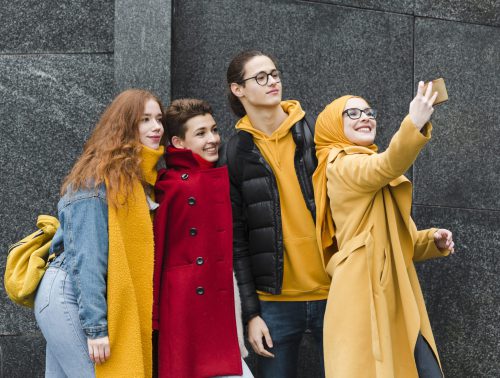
[27, 262]
[375, 308]
[329, 133]
[130, 280]
[304, 277]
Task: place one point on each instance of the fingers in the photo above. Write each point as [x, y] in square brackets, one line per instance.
[99, 350]
[420, 88]
[258, 344]
[428, 91]
[444, 240]
[433, 98]
[257, 333]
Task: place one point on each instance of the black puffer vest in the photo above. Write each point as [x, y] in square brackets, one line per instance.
[257, 230]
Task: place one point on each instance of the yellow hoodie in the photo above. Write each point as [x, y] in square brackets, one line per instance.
[304, 277]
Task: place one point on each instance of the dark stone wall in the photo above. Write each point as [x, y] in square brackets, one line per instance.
[380, 50]
[62, 62]
[56, 77]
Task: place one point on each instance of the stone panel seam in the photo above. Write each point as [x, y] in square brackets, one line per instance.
[353, 7]
[456, 21]
[58, 53]
[413, 170]
[1, 361]
[173, 4]
[414, 14]
[456, 208]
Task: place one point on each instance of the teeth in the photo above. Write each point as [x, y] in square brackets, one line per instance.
[364, 129]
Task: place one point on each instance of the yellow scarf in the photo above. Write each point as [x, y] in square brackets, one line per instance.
[329, 133]
[130, 280]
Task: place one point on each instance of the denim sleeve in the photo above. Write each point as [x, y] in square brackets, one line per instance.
[85, 223]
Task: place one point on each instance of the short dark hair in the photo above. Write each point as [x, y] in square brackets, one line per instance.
[235, 73]
[182, 110]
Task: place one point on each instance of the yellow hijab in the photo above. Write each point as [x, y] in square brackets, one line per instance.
[130, 279]
[329, 134]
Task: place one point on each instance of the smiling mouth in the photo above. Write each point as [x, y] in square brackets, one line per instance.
[211, 149]
[364, 129]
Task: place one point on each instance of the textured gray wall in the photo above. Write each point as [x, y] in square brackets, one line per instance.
[142, 46]
[380, 50]
[56, 76]
[61, 63]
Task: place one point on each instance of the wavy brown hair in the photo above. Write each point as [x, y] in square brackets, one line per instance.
[112, 153]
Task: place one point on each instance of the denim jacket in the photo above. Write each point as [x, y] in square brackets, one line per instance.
[83, 236]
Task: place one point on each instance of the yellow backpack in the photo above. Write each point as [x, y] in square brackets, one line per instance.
[27, 261]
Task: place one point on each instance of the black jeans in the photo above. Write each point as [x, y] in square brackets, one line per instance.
[425, 359]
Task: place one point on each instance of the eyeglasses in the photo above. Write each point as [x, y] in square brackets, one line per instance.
[355, 113]
[263, 77]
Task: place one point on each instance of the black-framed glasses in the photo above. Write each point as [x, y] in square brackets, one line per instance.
[263, 77]
[355, 113]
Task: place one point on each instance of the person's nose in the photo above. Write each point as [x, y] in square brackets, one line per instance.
[211, 137]
[364, 116]
[157, 125]
[271, 80]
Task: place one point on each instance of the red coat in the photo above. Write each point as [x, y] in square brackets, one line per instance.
[193, 280]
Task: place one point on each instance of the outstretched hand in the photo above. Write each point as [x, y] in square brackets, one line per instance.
[421, 107]
[444, 240]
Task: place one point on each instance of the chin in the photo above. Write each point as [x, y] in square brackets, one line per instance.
[211, 158]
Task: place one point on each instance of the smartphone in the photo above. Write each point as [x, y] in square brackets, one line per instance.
[438, 86]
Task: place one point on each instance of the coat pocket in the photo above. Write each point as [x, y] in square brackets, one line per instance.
[44, 291]
[384, 274]
[353, 245]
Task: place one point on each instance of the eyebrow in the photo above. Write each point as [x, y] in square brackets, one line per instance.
[205, 127]
[149, 114]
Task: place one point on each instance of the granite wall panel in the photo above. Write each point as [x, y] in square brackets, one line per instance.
[486, 12]
[460, 166]
[48, 105]
[462, 291]
[142, 46]
[31, 26]
[22, 356]
[324, 51]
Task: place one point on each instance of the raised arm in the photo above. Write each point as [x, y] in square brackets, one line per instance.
[364, 172]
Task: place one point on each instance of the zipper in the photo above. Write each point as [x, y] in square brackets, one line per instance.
[19, 243]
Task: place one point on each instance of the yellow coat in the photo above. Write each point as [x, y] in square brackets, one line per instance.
[375, 308]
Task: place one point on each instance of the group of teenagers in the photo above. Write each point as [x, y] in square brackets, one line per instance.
[289, 227]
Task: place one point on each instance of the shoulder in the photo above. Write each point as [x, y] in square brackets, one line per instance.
[229, 151]
[72, 196]
[303, 131]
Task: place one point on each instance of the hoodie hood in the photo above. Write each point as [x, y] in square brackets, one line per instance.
[295, 114]
[269, 144]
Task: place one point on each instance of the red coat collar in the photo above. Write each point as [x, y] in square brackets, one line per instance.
[179, 158]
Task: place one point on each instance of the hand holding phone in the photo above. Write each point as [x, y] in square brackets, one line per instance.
[438, 86]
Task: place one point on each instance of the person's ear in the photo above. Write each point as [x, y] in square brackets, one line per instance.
[177, 142]
[236, 89]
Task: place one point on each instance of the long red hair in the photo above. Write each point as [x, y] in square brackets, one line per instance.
[112, 153]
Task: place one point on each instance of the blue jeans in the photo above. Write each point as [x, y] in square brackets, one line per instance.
[56, 312]
[287, 322]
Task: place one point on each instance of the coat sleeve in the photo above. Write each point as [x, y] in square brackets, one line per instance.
[368, 173]
[424, 247]
[160, 234]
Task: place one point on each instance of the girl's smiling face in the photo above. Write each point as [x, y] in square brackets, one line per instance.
[202, 137]
[361, 131]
